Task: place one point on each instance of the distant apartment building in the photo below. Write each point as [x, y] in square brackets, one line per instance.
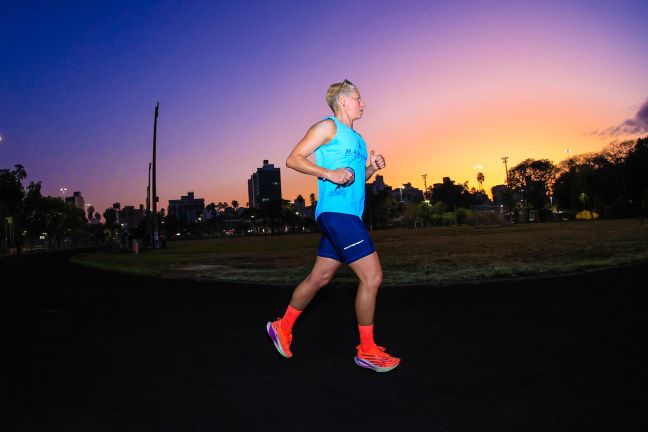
[187, 209]
[130, 216]
[76, 201]
[264, 189]
[302, 209]
[408, 194]
[377, 186]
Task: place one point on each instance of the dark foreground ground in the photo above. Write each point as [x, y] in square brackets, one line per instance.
[90, 351]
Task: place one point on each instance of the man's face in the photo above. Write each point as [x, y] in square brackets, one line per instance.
[353, 104]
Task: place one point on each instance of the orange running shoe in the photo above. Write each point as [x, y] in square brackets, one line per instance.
[280, 337]
[376, 359]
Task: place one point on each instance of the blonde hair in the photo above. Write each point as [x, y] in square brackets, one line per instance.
[335, 90]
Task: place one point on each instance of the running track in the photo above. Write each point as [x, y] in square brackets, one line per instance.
[91, 351]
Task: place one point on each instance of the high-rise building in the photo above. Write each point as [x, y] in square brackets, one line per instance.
[377, 186]
[264, 188]
[76, 201]
[408, 193]
[187, 209]
[130, 216]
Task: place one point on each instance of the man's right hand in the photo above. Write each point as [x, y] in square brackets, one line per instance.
[339, 176]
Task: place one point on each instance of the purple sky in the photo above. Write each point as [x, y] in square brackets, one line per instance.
[447, 87]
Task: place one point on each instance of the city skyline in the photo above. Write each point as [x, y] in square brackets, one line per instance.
[447, 87]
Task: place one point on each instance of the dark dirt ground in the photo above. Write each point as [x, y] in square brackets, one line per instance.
[94, 351]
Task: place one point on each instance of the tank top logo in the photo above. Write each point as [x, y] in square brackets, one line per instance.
[355, 153]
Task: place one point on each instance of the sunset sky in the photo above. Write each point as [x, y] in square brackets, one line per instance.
[448, 86]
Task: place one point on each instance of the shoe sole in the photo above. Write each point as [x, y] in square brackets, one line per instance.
[275, 339]
[367, 365]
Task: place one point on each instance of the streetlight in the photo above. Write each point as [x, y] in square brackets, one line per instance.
[63, 190]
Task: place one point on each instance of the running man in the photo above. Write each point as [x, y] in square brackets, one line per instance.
[342, 170]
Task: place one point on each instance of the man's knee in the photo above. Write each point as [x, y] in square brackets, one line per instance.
[320, 279]
[373, 281]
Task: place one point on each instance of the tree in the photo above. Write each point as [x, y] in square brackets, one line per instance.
[608, 182]
[235, 204]
[313, 200]
[413, 214]
[91, 211]
[382, 208]
[534, 179]
[51, 215]
[636, 163]
[480, 180]
[110, 216]
[12, 193]
[508, 201]
[453, 195]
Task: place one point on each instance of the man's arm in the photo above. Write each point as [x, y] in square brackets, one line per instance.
[376, 162]
[317, 135]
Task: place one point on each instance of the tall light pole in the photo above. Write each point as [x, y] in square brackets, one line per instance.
[424, 183]
[154, 197]
[505, 159]
[63, 190]
[148, 209]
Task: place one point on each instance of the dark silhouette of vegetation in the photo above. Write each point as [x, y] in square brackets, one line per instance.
[28, 214]
[609, 183]
[534, 180]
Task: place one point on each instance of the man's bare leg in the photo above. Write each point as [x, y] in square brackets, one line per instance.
[370, 274]
[322, 272]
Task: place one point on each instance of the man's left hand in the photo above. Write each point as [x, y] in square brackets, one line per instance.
[377, 160]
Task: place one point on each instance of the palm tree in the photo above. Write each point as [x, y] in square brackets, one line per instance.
[480, 180]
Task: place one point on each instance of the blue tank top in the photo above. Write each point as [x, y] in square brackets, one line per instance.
[347, 150]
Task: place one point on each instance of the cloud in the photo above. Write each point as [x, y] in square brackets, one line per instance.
[633, 126]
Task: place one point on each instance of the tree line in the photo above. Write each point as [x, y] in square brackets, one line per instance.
[610, 183]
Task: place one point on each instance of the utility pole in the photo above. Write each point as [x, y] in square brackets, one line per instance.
[149, 236]
[504, 159]
[154, 197]
[424, 183]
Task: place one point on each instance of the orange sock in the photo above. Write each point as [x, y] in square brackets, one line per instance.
[366, 337]
[289, 318]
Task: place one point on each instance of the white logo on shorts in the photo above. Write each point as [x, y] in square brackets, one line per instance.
[353, 244]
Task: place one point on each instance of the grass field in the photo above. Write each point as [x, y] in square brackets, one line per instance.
[409, 256]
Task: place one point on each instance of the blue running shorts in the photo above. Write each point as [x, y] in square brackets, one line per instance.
[344, 237]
